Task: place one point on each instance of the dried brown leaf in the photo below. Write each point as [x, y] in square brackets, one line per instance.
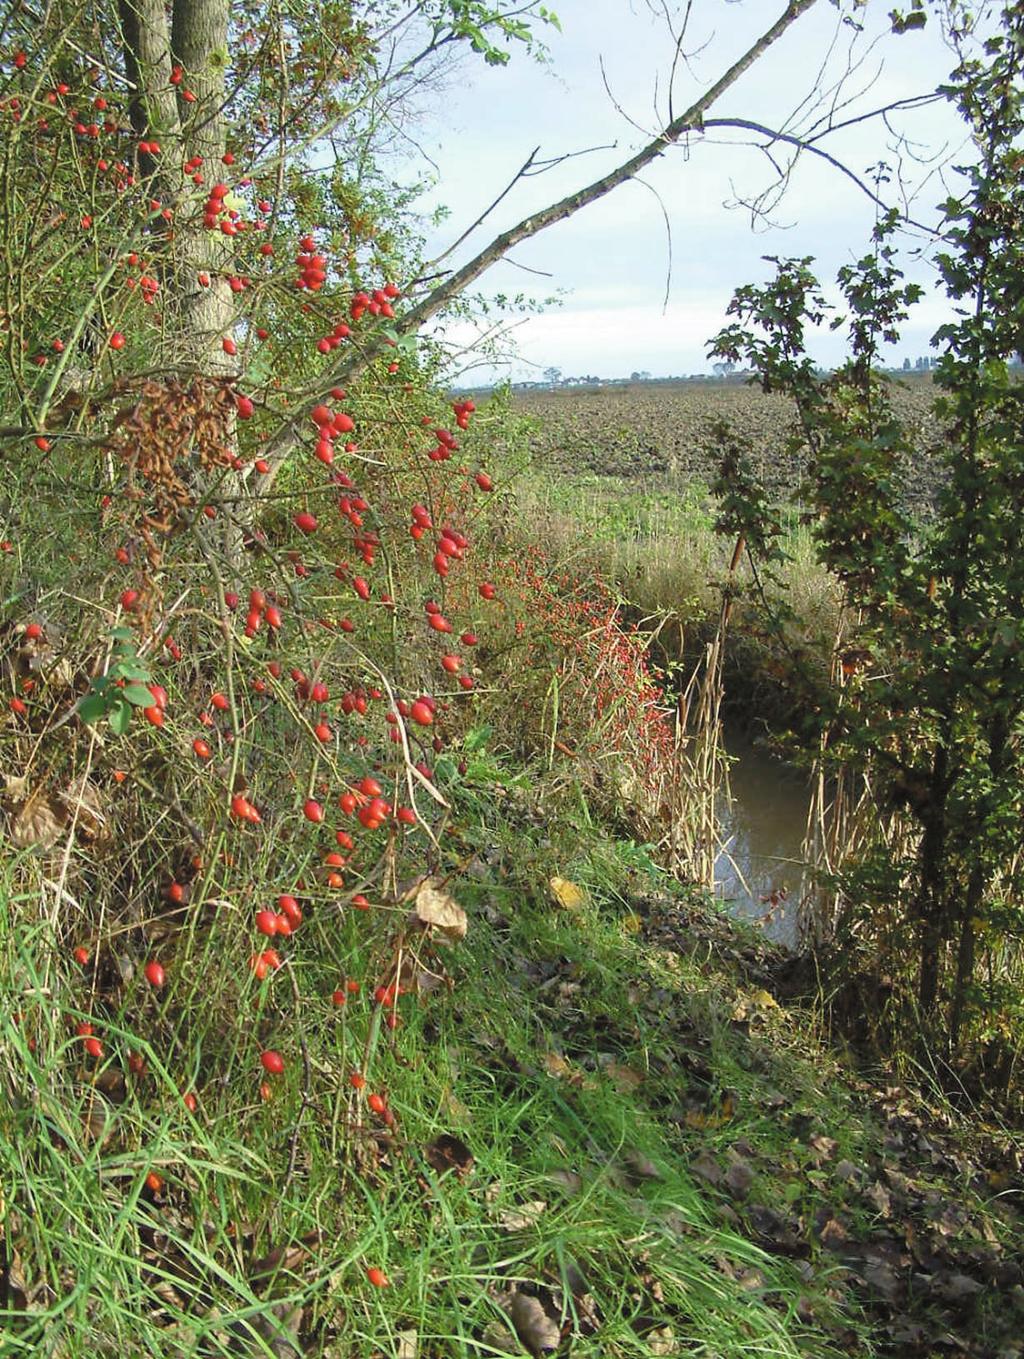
[449, 1153]
[438, 909]
[624, 1077]
[556, 1065]
[707, 1167]
[878, 1195]
[523, 1216]
[538, 1332]
[640, 1167]
[738, 1178]
[84, 805]
[566, 1180]
[37, 821]
[285, 1258]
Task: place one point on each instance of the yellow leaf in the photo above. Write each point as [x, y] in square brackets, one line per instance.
[568, 894]
[556, 1065]
[632, 924]
[755, 1003]
[764, 999]
[701, 1119]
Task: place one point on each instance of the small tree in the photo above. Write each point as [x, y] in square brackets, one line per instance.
[928, 702]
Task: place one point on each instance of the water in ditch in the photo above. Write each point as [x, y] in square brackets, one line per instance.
[760, 873]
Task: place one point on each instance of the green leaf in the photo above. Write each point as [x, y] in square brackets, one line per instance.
[120, 717]
[137, 695]
[477, 739]
[92, 708]
[122, 634]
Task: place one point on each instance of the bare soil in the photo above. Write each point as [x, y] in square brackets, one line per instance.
[663, 432]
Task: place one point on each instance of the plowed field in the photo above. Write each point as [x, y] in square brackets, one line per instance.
[662, 432]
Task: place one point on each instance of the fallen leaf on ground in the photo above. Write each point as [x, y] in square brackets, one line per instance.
[449, 1153]
[569, 895]
[751, 1280]
[880, 1197]
[738, 1178]
[407, 1345]
[707, 1168]
[566, 1180]
[753, 1004]
[538, 1332]
[36, 820]
[661, 1341]
[698, 1119]
[640, 1167]
[440, 910]
[556, 1065]
[282, 1259]
[833, 1234]
[957, 1287]
[523, 1216]
[624, 1077]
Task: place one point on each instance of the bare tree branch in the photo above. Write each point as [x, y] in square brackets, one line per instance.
[746, 125]
[692, 120]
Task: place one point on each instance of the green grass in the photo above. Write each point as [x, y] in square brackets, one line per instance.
[512, 1059]
[596, 1064]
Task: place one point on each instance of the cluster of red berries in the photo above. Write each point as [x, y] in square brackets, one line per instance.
[331, 341]
[262, 609]
[462, 411]
[216, 216]
[330, 427]
[444, 448]
[312, 267]
[155, 713]
[377, 303]
[451, 546]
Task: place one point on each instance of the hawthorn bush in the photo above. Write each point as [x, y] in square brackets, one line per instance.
[248, 615]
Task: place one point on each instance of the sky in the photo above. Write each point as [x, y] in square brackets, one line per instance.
[605, 87]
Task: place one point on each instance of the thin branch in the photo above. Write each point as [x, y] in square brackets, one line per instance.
[637, 127]
[668, 235]
[692, 120]
[746, 125]
[912, 101]
[520, 174]
[528, 269]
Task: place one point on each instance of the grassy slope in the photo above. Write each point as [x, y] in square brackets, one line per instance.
[639, 1139]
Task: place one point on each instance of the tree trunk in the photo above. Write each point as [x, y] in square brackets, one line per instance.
[199, 38]
[196, 41]
[147, 64]
[965, 952]
[930, 898]
[198, 315]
